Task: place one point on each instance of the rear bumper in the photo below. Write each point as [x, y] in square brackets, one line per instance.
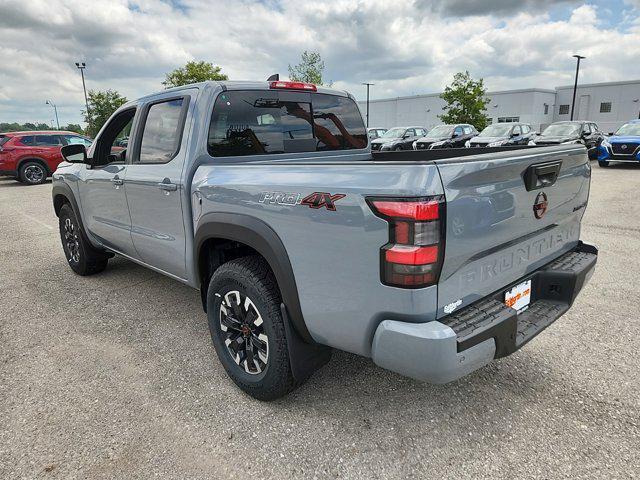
[444, 350]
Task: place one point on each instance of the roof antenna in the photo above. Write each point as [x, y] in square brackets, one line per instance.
[274, 78]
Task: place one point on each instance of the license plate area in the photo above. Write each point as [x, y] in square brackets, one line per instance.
[519, 296]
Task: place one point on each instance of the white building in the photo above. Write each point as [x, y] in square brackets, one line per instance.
[608, 104]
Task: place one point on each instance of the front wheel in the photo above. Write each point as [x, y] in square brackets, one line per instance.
[81, 256]
[603, 163]
[247, 329]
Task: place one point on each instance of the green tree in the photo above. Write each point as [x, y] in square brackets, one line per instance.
[193, 72]
[73, 127]
[101, 105]
[466, 101]
[309, 69]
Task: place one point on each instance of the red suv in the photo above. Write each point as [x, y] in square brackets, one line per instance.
[31, 157]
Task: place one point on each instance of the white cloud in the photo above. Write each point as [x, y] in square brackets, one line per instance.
[403, 47]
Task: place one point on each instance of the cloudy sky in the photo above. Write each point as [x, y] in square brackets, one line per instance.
[404, 47]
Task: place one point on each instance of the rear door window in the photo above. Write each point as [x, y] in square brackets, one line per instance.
[48, 140]
[263, 122]
[162, 131]
[3, 139]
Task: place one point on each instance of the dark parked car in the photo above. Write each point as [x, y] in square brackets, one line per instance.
[581, 131]
[375, 132]
[502, 134]
[30, 157]
[622, 146]
[447, 136]
[398, 138]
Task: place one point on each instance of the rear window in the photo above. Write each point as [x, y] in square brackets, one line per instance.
[3, 139]
[261, 122]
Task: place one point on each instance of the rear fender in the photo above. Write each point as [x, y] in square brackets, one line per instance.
[260, 237]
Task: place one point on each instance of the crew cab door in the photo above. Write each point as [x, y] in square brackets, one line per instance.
[102, 195]
[155, 183]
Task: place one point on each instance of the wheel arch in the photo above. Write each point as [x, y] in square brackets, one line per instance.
[256, 236]
[62, 194]
[39, 160]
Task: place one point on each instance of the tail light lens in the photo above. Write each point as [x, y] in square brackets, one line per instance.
[413, 257]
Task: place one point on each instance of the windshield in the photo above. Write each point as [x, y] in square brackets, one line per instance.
[440, 131]
[561, 130]
[496, 130]
[393, 133]
[631, 129]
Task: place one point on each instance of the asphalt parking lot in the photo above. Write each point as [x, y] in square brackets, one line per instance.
[114, 376]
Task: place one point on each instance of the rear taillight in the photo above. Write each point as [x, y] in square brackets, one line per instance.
[413, 257]
[310, 87]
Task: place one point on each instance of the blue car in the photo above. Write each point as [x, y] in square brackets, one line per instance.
[622, 146]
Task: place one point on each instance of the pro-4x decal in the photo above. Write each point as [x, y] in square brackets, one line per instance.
[316, 200]
[322, 199]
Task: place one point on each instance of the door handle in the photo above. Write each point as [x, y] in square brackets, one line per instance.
[167, 187]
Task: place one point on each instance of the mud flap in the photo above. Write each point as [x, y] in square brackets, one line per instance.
[305, 357]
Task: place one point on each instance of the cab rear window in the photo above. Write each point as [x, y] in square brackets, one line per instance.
[271, 122]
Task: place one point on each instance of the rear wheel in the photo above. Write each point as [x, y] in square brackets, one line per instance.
[247, 329]
[81, 256]
[395, 149]
[32, 173]
[603, 163]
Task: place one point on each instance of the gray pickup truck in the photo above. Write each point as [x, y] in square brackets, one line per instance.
[266, 197]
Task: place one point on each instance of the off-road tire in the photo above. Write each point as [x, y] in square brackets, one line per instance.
[32, 173]
[252, 278]
[81, 256]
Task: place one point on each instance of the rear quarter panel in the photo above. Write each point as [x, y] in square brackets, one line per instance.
[335, 255]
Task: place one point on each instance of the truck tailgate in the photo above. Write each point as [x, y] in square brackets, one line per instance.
[506, 216]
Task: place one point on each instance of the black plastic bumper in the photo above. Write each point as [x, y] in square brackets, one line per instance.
[554, 289]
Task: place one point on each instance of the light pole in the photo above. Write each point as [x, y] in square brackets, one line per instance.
[55, 109]
[575, 85]
[81, 66]
[368, 85]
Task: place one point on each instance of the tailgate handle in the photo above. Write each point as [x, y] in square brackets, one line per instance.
[541, 175]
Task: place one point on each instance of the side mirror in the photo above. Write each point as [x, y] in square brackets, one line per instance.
[75, 153]
[611, 133]
[514, 134]
[455, 135]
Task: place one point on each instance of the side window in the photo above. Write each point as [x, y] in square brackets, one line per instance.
[29, 140]
[48, 140]
[467, 130]
[107, 149]
[526, 128]
[457, 131]
[586, 128]
[517, 130]
[162, 132]
[74, 139]
[594, 128]
[410, 132]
